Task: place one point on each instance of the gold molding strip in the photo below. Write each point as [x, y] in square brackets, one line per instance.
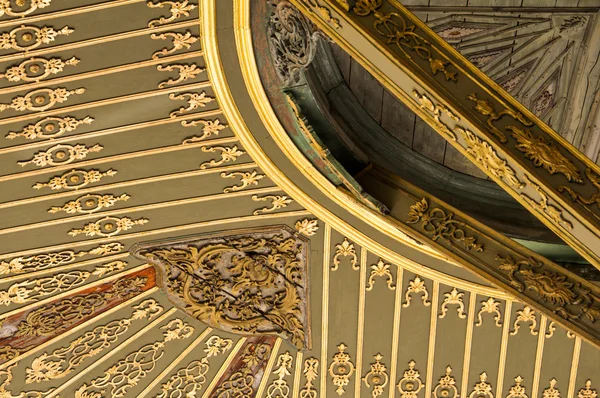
[134, 209]
[503, 348]
[297, 375]
[128, 183]
[468, 341]
[325, 307]
[361, 319]
[106, 101]
[100, 72]
[175, 362]
[267, 372]
[539, 354]
[66, 13]
[574, 367]
[98, 40]
[122, 156]
[435, 294]
[396, 330]
[110, 353]
[73, 330]
[174, 228]
[223, 368]
[74, 291]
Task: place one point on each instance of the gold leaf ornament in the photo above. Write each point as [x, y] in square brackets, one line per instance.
[41, 99]
[6, 8]
[345, 249]
[277, 202]
[307, 227]
[247, 178]
[61, 154]
[108, 226]
[177, 9]
[341, 369]
[25, 38]
[381, 269]
[88, 204]
[36, 69]
[416, 286]
[377, 378]
[410, 384]
[50, 127]
[279, 387]
[454, 298]
[446, 387]
[75, 179]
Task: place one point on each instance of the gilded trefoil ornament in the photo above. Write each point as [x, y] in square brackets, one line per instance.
[454, 298]
[345, 249]
[416, 286]
[381, 269]
[491, 306]
[552, 391]
[527, 314]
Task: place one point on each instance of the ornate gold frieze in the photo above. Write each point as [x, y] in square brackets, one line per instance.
[228, 154]
[180, 41]
[186, 72]
[482, 153]
[61, 154]
[34, 289]
[552, 212]
[307, 227]
[341, 369]
[410, 384]
[381, 269]
[25, 38]
[416, 286]
[36, 69]
[209, 128]
[486, 108]
[75, 179]
[6, 7]
[544, 154]
[188, 381]
[240, 384]
[108, 226]
[194, 101]
[345, 249]
[88, 204]
[438, 224]
[247, 178]
[279, 387]
[587, 392]
[552, 391]
[177, 9]
[41, 99]
[56, 317]
[491, 306]
[377, 378]
[6, 377]
[437, 110]
[568, 297]
[50, 127]
[397, 31]
[482, 389]
[257, 281]
[310, 371]
[128, 372]
[517, 391]
[63, 361]
[446, 386]
[43, 261]
[277, 202]
[594, 199]
[527, 314]
[109, 268]
[453, 298]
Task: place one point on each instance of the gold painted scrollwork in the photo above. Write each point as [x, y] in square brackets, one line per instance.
[486, 108]
[25, 38]
[410, 384]
[310, 371]
[36, 69]
[552, 212]
[177, 9]
[61, 154]
[341, 369]
[6, 7]
[75, 179]
[186, 72]
[41, 99]
[277, 202]
[324, 12]
[377, 378]
[416, 286]
[453, 298]
[209, 128]
[108, 226]
[279, 387]
[194, 101]
[517, 391]
[109, 268]
[240, 383]
[345, 249]
[6, 377]
[247, 179]
[491, 306]
[594, 199]
[527, 314]
[437, 110]
[50, 127]
[89, 204]
[438, 224]
[482, 389]
[381, 269]
[228, 154]
[180, 41]
[446, 387]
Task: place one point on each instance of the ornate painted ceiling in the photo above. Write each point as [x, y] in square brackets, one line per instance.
[162, 238]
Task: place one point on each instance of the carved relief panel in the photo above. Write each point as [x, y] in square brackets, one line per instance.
[251, 282]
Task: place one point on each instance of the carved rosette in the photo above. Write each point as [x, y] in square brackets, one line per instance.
[251, 283]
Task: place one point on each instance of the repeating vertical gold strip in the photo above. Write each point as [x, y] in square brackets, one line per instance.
[396, 331]
[268, 368]
[574, 366]
[176, 362]
[325, 309]
[111, 353]
[503, 348]
[297, 375]
[432, 332]
[77, 328]
[537, 369]
[361, 320]
[224, 367]
[468, 341]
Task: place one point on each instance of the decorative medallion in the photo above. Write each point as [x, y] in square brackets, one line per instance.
[341, 369]
[36, 69]
[279, 387]
[247, 283]
[228, 154]
[307, 227]
[247, 178]
[25, 38]
[75, 179]
[491, 306]
[277, 202]
[446, 387]
[482, 389]
[178, 9]
[6, 8]
[377, 378]
[186, 72]
[194, 101]
[61, 154]
[50, 127]
[41, 99]
[587, 392]
[410, 384]
[517, 391]
[416, 286]
[552, 391]
[381, 269]
[527, 314]
[108, 226]
[345, 249]
[454, 298]
[90, 203]
[311, 367]
[180, 41]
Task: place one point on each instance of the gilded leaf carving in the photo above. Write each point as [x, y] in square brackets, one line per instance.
[40, 99]
[277, 202]
[410, 384]
[345, 249]
[310, 371]
[50, 127]
[108, 226]
[437, 110]
[6, 8]
[446, 387]
[6, 378]
[28, 37]
[587, 392]
[240, 384]
[61, 154]
[209, 127]
[36, 69]
[307, 227]
[177, 10]
[552, 212]
[180, 41]
[381, 269]
[594, 199]
[341, 369]
[517, 391]
[89, 204]
[527, 314]
[75, 179]
[486, 108]
[453, 298]
[194, 100]
[279, 388]
[552, 391]
[416, 286]
[228, 154]
[247, 178]
[185, 72]
[491, 306]
[377, 378]
[482, 389]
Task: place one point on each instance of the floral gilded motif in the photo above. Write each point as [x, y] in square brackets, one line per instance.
[341, 369]
[75, 179]
[453, 298]
[410, 384]
[36, 69]
[416, 286]
[527, 314]
[277, 202]
[177, 9]
[517, 391]
[50, 127]
[377, 378]
[486, 108]
[446, 386]
[40, 99]
[180, 41]
[228, 154]
[307, 227]
[279, 387]
[491, 306]
[61, 154]
[310, 371]
[108, 226]
[6, 8]
[89, 204]
[247, 179]
[28, 37]
[381, 269]
[345, 249]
